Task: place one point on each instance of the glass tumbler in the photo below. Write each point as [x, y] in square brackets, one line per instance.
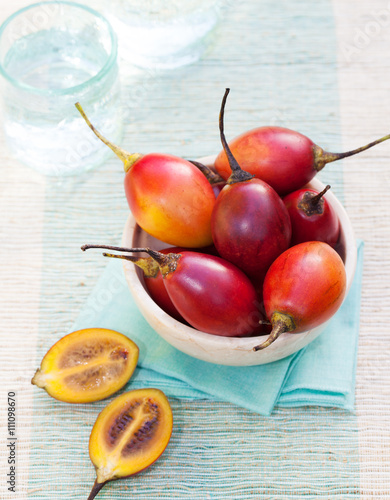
[163, 34]
[53, 54]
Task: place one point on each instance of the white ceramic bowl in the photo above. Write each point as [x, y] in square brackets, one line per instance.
[232, 351]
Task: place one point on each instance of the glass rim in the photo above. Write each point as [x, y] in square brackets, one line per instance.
[111, 59]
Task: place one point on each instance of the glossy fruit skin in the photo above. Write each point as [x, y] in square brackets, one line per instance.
[147, 408]
[250, 226]
[156, 287]
[213, 295]
[158, 292]
[324, 226]
[170, 199]
[281, 157]
[307, 282]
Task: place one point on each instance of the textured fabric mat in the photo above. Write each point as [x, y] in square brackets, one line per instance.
[322, 69]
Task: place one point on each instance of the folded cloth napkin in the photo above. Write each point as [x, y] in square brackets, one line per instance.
[321, 374]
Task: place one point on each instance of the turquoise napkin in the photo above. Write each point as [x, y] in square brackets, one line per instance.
[321, 374]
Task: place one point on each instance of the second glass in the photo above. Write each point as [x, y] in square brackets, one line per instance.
[163, 34]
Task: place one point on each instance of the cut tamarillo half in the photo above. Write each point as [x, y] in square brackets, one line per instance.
[129, 435]
[87, 365]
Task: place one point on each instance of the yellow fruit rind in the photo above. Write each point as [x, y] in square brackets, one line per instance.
[130, 434]
[87, 365]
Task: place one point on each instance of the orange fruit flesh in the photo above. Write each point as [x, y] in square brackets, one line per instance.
[87, 365]
[130, 434]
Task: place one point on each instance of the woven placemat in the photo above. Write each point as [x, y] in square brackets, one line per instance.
[286, 65]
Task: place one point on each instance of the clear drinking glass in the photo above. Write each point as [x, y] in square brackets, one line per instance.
[53, 54]
[163, 34]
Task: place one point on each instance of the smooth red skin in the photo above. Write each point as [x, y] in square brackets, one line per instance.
[317, 227]
[213, 295]
[307, 282]
[279, 156]
[264, 327]
[170, 199]
[157, 289]
[159, 294]
[250, 226]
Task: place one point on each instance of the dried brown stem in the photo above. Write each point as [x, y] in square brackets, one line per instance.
[315, 199]
[210, 175]
[95, 490]
[238, 175]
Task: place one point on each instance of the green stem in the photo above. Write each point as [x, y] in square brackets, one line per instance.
[167, 263]
[321, 157]
[148, 265]
[127, 158]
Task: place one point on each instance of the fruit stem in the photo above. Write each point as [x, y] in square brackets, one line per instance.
[315, 199]
[95, 489]
[321, 157]
[153, 253]
[166, 262]
[210, 175]
[148, 265]
[238, 175]
[39, 379]
[109, 247]
[281, 323]
[127, 158]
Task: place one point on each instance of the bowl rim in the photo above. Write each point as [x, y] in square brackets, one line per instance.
[208, 340]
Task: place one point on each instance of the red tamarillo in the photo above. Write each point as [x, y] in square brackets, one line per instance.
[169, 197]
[250, 224]
[303, 288]
[285, 159]
[211, 294]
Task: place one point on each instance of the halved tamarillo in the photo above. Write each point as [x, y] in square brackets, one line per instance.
[312, 217]
[250, 224]
[87, 365]
[285, 159]
[169, 197]
[129, 435]
[211, 294]
[303, 288]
